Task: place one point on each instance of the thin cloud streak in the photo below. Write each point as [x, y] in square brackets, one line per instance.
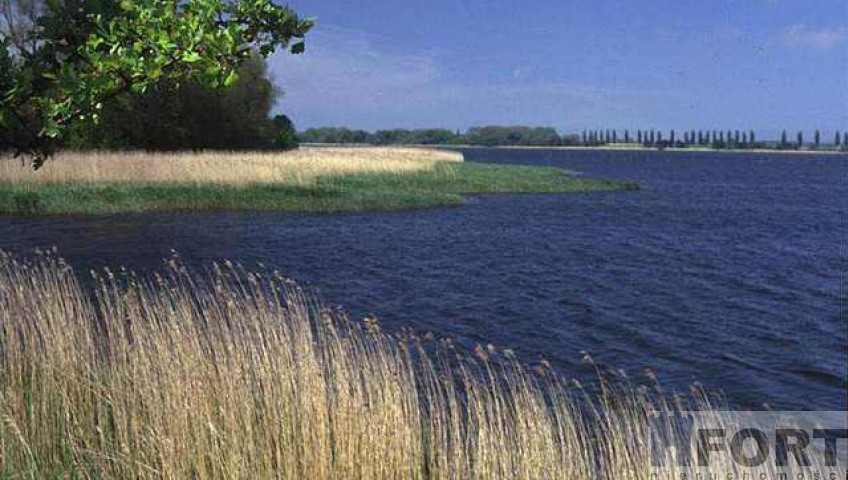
[346, 78]
[827, 38]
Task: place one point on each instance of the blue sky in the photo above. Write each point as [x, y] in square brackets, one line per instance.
[572, 64]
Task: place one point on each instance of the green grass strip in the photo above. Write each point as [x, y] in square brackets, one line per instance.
[445, 186]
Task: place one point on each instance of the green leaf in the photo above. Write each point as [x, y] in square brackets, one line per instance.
[51, 129]
[213, 71]
[192, 57]
[231, 79]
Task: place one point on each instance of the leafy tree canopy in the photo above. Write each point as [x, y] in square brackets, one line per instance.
[82, 53]
[189, 116]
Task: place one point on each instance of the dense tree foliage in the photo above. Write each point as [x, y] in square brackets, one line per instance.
[189, 115]
[497, 135]
[64, 60]
[483, 136]
[335, 135]
[285, 133]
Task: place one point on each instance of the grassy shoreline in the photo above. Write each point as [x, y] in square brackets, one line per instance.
[235, 374]
[437, 184]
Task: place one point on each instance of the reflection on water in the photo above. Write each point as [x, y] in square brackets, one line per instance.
[727, 269]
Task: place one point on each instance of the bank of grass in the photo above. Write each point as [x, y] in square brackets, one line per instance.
[239, 376]
[319, 181]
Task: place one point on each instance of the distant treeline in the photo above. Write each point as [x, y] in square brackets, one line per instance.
[493, 136]
[484, 136]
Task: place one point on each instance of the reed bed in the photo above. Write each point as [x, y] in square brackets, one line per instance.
[299, 167]
[235, 375]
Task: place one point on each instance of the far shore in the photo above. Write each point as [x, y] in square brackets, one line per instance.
[615, 148]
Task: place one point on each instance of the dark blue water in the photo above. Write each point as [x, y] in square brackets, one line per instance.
[726, 269]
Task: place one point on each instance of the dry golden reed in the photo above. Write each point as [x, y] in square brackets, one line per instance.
[300, 166]
[236, 375]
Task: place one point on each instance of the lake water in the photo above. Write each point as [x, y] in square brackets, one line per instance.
[726, 269]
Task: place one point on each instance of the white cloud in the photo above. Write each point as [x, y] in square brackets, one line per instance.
[520, 73]
[347, 71]
[353, 79]
[800, 35]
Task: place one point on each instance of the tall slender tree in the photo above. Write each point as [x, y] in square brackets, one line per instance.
[800, 139]
[783, 139]
[817, 138]
[627, 136]
[837, 139]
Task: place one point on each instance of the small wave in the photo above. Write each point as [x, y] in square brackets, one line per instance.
[821, 376]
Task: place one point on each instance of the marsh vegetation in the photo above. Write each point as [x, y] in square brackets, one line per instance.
[240, 375]
[309, 180]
